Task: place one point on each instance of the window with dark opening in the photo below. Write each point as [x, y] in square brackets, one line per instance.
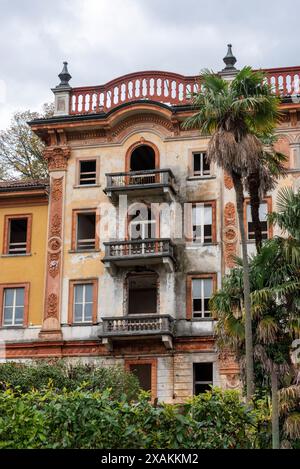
[86, 231]
[87, 172]
[201, 166]
[142, 225]
[143, 374]
[263, 212]
[142, 158]
[18, 236]
[142, 294]
[203, 377]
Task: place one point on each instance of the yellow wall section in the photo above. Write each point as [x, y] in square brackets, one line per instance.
[30, 268]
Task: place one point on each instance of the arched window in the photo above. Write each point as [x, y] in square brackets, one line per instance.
[142, 224]
[142, 158]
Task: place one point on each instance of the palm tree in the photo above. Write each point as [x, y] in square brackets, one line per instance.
[275, 298]
[234, 114]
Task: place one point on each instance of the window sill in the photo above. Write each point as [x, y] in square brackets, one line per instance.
[203, 320]
[83, 251]
[85, 186]
[81, 324]
[200, 178]
[192, 246]
[15, 255]
[6, 328]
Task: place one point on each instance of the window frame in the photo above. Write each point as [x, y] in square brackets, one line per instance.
[6, 286]
[266, 200]
[201, 173]
[6, 237]
[210, 383]
[74, 240]
[77, 177]
[213, 204]
[151, 361]
[189, 294]
[71, 303]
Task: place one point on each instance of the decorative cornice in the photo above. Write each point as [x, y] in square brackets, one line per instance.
[142, 118]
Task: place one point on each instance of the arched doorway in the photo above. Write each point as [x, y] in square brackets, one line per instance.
[142, 158]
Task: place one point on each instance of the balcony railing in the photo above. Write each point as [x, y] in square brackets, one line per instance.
[165, 87]
[138, 248]
[131, 180]
[146, 324]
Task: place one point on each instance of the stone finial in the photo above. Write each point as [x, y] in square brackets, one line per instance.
[229, 59]
[64, 77]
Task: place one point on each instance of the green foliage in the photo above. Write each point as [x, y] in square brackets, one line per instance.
[23, 378]
[92, 420]
[21, 151]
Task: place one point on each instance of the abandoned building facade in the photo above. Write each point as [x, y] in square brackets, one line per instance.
[114, 259]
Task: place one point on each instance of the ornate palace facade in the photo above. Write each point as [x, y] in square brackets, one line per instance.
[115, 258]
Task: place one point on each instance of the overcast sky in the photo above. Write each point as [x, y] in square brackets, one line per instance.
[103, 39]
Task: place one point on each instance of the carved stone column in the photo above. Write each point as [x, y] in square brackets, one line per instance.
[229, 371]
[57, 158]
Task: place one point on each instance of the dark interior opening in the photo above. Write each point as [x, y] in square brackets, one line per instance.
[142, 159]
[143, 374]
[86, 231]
[203, 377]
[87, 172]
[142, 294]
[18, 236]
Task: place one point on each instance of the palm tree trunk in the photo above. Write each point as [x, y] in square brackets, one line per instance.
[246, 278]
[275, 411]
[253, 184]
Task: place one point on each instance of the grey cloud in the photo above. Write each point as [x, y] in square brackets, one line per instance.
[103, 39]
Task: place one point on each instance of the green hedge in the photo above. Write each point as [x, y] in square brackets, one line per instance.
[23, 378]
[91, 420]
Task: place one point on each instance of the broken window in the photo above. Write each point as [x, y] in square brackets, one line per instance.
[203, 377]
[17, 236]
[86, 231]
[87, 172]
[203, 223]
[142, 294]
[142, 159]
[141, 227]
[201, 166]
[143, 374]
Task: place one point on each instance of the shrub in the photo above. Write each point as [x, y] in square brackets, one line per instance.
[92, 420]
[24, 378]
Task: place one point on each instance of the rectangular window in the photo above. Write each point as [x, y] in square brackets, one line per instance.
[202, 223]
[87, 172]
[86, 231]
[201, 166]
[17, 235]
[146, 372]
[203, 377]
[202, 289]
[263, 212]
[14, 304]
[83, 301]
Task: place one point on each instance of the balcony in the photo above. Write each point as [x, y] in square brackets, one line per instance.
[137, 183]
[138, 327]
[139, 252]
